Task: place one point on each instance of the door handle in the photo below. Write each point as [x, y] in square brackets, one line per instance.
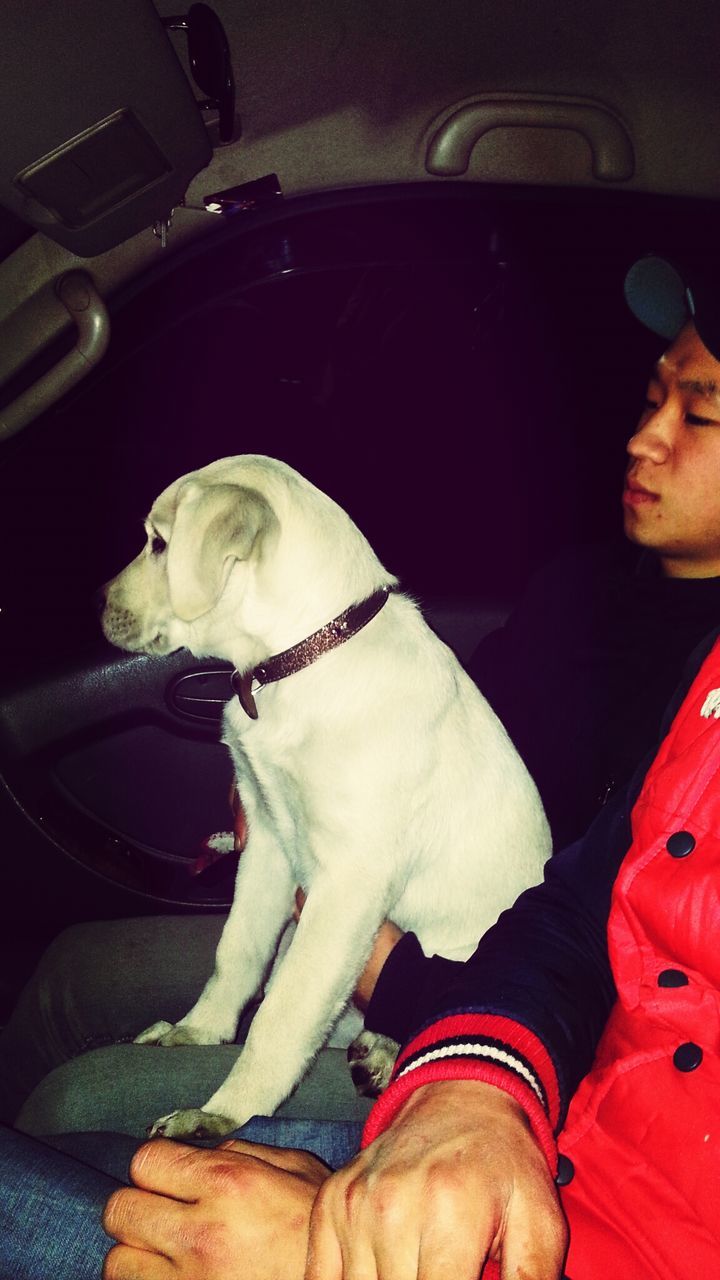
[451, 145]
[201, 695]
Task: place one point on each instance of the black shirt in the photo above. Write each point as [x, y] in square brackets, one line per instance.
[582, 671]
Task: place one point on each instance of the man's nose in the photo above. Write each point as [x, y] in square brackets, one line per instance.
[653, 439]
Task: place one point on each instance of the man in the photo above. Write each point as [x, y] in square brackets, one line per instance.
[592, 1010]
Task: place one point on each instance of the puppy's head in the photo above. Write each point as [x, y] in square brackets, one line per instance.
[197, 533]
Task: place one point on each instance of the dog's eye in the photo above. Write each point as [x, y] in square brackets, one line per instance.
[157, 544]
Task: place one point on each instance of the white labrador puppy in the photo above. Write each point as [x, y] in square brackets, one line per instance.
[372, 772]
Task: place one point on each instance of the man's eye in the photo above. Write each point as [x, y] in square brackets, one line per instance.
[693, 420]
[157, 545]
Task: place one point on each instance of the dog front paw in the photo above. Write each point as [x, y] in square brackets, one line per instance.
[371, 1058]
[154, 1034]
[169, 1035]
[192, 1123]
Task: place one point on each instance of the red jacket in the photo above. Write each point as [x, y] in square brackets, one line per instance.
[639, 1165]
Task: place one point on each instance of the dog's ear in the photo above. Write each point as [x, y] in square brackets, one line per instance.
[213, 527]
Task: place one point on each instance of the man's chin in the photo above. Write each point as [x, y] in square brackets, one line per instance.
[640, 532]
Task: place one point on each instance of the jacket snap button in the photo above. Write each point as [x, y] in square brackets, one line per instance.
[672, 978]
[565, 1171]
[687, 1056]
[680, 844]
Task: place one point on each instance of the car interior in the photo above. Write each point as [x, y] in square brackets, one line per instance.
[386, 244]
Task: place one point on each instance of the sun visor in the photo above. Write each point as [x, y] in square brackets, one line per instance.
[101, 130]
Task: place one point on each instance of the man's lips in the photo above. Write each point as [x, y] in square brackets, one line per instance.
[634, 495]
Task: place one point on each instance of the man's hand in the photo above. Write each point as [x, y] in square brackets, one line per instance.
[458, 1178]
[198, 1214]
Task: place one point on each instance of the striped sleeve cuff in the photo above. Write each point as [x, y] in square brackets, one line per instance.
[494, 1050]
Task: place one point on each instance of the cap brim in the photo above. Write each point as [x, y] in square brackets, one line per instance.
[664, 298]
[656, 293]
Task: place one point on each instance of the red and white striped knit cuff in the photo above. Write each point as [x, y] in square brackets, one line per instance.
[473, 1046]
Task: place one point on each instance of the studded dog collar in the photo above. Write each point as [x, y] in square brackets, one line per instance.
[301, 655]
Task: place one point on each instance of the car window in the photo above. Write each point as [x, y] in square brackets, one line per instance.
[460, 373]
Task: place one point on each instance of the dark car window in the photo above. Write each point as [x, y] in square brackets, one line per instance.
[459, 373]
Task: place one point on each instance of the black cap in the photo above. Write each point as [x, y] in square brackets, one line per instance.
[664, 296]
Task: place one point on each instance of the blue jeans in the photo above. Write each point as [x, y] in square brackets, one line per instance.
[52, 1197]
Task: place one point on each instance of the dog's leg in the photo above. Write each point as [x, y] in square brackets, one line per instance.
[308, 992]
[262, 905]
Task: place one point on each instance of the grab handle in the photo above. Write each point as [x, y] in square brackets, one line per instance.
[83, 303]
[449, 150]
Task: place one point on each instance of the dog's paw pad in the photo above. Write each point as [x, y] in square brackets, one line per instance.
[191, 1123]
[371, 1058]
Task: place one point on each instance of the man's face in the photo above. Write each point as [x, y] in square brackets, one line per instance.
[671, 500]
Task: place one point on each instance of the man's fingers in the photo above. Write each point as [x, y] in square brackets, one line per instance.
[210, 1212]
[143, 1220]
[536, 1255]
[170, 1168]
[455, 1224]
[325, 1256]
[123, 1263]
[455, 1238]
[372, 1236]
[186, 1173]
[288, 1159]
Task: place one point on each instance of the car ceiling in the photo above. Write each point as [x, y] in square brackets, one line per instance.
[332, 94]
